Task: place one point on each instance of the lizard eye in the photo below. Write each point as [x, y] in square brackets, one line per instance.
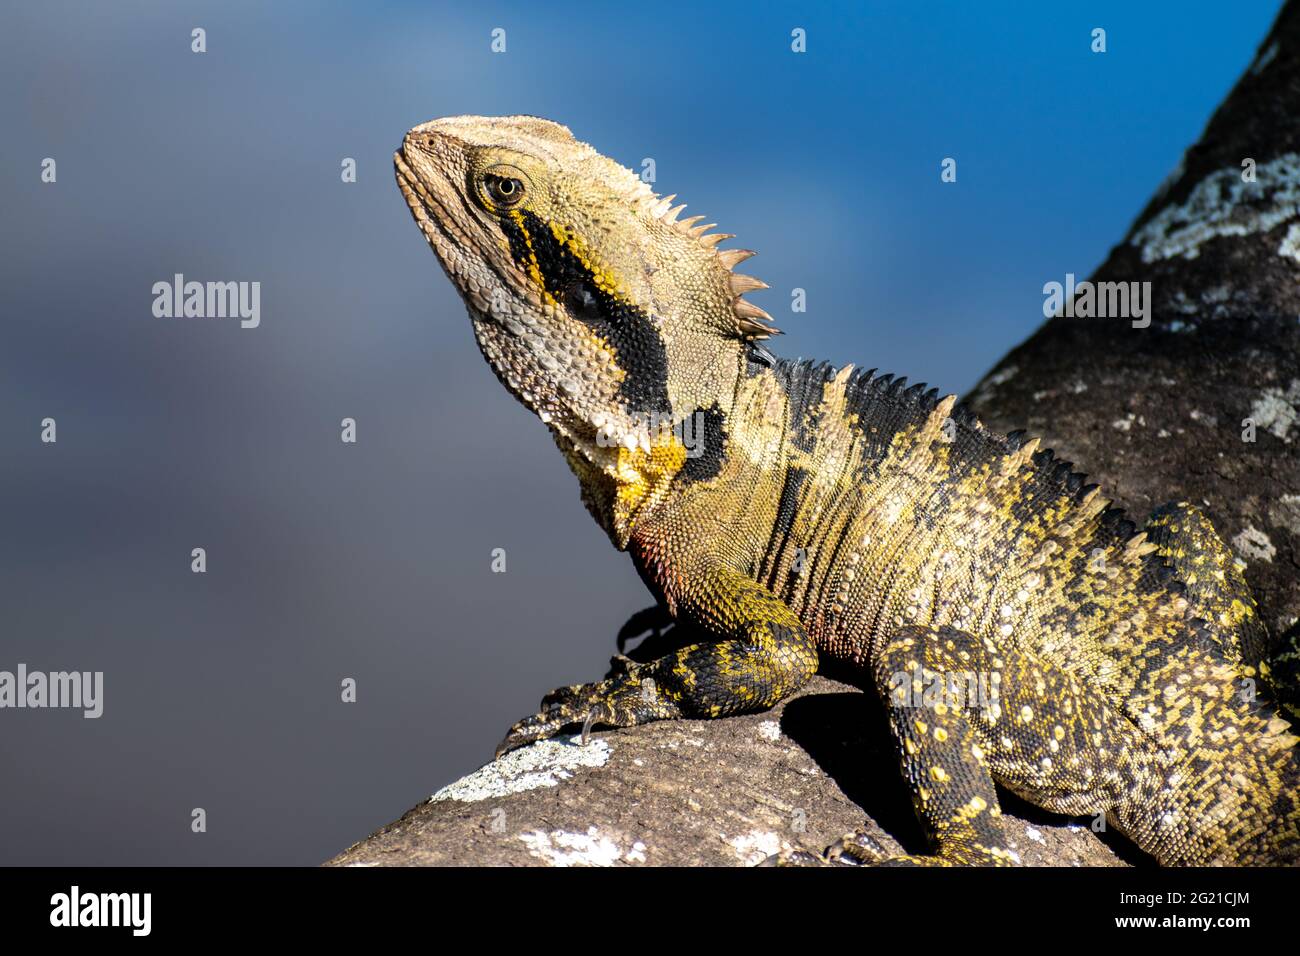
[504, 191]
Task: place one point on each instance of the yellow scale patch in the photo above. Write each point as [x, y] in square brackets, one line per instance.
[534, 271]
[643, 476]
[640, 475]
[604, 279]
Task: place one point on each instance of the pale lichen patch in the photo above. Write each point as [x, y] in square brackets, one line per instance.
[993, 381]
[1291, 243]
[1253, 543]
[1222, 204]
[1276, 410]
[560, 848]
[1264, 59]
[1286, 513]
[1183, 304]
[769, 730]
[756, 846]
[543, 764]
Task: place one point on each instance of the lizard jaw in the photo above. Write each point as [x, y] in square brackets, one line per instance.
[438, 226]
[496, 331]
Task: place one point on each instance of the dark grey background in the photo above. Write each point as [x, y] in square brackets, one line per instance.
[372, 561]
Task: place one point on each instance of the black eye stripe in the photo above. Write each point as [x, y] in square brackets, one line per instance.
[581, 300]
[627, 328]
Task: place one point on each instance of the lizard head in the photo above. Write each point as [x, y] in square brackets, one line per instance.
[595, 305]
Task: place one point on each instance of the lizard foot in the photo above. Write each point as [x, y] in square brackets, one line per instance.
[794, 858]
[624, 700]
[857, 848]
[860, 848]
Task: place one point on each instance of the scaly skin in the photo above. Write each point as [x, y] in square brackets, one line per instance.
[1021, 630]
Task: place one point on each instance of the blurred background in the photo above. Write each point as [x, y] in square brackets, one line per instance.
[372, 561]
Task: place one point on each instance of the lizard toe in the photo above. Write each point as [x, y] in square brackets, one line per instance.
[540, 726]
[563, 695]
[790, 857]
[858, 848]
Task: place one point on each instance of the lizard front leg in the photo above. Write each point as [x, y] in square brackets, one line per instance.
[761, 654]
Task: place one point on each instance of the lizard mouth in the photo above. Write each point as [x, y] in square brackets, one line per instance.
[450, 230]
[427, 211]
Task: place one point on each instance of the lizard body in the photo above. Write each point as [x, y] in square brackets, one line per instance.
[1020, 628]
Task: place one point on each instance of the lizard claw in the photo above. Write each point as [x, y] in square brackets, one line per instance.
[858, 848]
[527, 731]
[586, 726]
[577, 704]
[620, 701]
[793, 858]
[546, 723]
[600, 713]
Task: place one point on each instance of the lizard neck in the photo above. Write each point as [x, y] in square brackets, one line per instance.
[624, 483]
